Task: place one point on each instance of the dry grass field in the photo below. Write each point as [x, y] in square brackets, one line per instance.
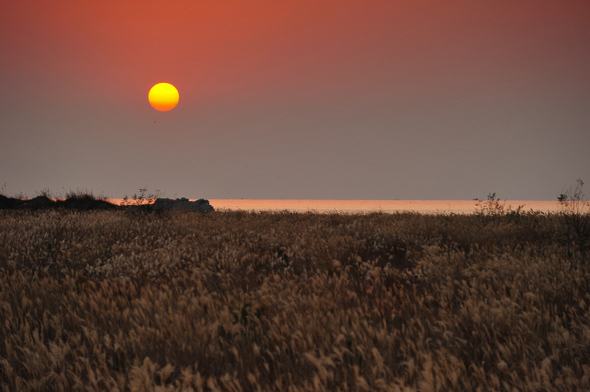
[240, 301]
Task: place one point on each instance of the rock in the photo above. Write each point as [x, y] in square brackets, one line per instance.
[85, 204]
[9, 203]
[182, 204]
[38, 203]
[88, 203]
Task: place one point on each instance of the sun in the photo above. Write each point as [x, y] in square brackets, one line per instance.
[163, 97]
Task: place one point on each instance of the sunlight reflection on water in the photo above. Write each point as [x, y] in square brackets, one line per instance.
[358, 206]
[426, 206]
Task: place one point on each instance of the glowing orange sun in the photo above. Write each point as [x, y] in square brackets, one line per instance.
[163, 97]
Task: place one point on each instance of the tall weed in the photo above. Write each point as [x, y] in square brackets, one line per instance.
[248, 301]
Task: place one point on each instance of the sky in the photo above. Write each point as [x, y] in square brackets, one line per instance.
[296, 99]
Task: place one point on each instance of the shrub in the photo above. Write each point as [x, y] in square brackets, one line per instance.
[575, 215]
[142, 198]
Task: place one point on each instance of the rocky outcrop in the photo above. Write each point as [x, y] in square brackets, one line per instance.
[89, 203]
[44, 203]
[182, 204]
[9, 203]
[38, 203]
[86, 204]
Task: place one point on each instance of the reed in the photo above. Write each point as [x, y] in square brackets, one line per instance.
[243, 301]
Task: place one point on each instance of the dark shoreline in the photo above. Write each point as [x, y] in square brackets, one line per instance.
[90, 203]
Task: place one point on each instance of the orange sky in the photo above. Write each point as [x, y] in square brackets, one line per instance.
[297, 99]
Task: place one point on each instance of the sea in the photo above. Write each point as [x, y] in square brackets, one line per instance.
[367, 206]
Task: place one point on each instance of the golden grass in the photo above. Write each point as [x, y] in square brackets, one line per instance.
[239, 301]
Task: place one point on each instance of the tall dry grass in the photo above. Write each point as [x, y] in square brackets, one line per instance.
[239, 301]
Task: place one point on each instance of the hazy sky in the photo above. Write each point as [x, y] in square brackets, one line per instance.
[296, 99]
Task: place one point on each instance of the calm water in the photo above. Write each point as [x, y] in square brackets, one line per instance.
[425, 206]
[352, 206]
